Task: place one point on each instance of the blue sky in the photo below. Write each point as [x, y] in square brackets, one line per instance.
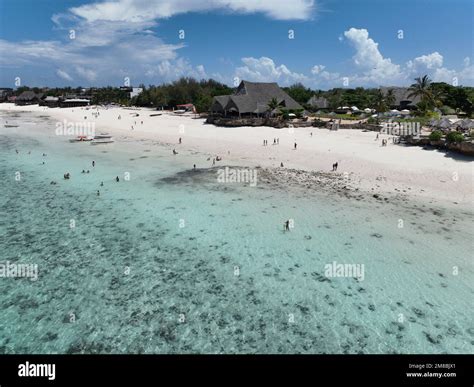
[336, 43]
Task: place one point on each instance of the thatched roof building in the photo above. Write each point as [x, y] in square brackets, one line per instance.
[28, 98]
[252, 98]
[50, 101]
[402, 101]
[5, 92]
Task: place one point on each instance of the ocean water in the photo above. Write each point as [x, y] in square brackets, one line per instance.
[172, 261]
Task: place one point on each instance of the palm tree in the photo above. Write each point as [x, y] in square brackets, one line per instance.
[437, 96]
[390, 98]
[379, 101]
[421, 89]
[272, 105]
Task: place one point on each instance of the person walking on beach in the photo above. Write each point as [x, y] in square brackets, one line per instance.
[296, 145]
[93, 163]
[278, 141]
[335, 166]
[98, 193]
[101, 183]
[377, 137]
[287, 225]
[194, 167]
[180, 140]
[281, 164]
[117, 179]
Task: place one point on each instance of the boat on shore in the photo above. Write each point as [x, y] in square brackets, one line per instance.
[81, 139]
[103, 138]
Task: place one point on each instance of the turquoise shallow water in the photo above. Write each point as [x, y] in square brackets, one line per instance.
[173, 262]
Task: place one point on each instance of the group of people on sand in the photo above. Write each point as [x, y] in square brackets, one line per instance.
[395, 140]
[276, 141]
[217, 158]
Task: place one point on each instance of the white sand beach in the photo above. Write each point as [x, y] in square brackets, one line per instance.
[411, 171]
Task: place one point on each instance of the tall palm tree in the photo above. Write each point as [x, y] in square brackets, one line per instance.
[379, 101]
[390, 98]
[421, 89]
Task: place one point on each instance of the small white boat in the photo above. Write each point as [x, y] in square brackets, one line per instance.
[103, 138]
[102, 135]
[11, 126]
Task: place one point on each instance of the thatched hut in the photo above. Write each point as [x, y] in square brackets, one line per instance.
[402, 100]
[252, 99]
[28, 98]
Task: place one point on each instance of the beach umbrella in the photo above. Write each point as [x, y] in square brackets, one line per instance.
[444, 123]
[405, 111]
[465, 124]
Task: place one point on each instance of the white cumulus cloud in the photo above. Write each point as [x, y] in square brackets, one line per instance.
[375, 68]
[140, 10]
[264, 69]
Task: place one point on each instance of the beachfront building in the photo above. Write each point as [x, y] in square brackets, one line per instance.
[28, 98]
[50, 101]
[136, 91]
[252, 99]
[5, 92]
[74, 102]
[401, 101]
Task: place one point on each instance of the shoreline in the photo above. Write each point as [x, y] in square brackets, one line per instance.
[385, 171]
